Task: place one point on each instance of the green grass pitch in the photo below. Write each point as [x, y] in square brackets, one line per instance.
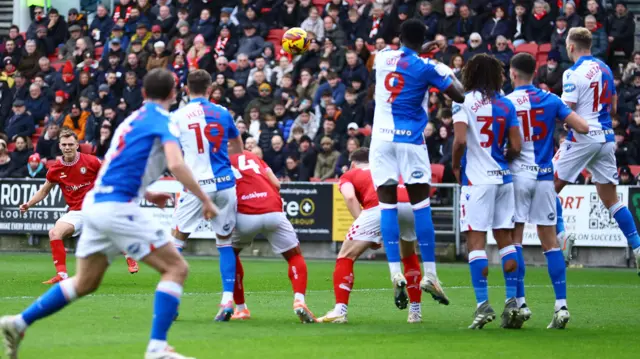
[115, 321]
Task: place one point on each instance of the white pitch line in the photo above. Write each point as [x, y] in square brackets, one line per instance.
[198, 294]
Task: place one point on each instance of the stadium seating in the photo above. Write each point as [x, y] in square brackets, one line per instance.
[320, 4]
[437, 174]
[98, 52]
[314, 179]
[233, 66]
[635, 170]
[275, 35]
[86, 148]
[332, 180]
[11, 147]
[530, 48]
[461, 47]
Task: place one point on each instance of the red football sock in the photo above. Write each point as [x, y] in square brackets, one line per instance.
[238, 289]
[343, 280]
[413, 276]
[298, 273]
[59, 255]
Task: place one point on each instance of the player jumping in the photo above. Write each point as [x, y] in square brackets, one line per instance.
[205, 130]
[360, 196]
[532, 172]
[588, 88]
[143, 146]
[398, 148]
[482, 125]
[75, 173]
[260, 212]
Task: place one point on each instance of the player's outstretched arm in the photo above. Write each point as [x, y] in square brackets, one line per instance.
[176, 165]
[577, 123]
[42, 193]
[459, 146]
[614, 104]
[350, 199]
[456, 90]
[235, 145]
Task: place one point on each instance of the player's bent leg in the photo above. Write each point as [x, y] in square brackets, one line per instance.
[298, 277]
[57, 234]
[524, 311]
[343, 279]
[623, 217]
[565, 239]
[509, 259]
[479, 268]
[174, 271]
[90, 273]
[413, 275]
[179, 239]
[241, 311]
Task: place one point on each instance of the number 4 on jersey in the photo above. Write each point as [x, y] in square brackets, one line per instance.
[244, 165]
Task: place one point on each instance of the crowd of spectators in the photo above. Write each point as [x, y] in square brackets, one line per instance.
[304, 115]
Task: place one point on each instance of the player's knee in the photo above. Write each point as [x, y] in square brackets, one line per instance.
[509, 266]
[180, 269]
[86, 285]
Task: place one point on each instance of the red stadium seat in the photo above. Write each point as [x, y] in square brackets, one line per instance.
[11, 146]
[320, 4]
[233, 66]
[461, 47]
[371, 48]
[332, 180]
[437, 173]
[530, 48]
[57, 65]
[545, 48]
[314, 179]
[275, 35]
[39, 131]
[98, 52]
[50, 163]
[635, 170]
[365, 131]
[86, 148]
[24, 35]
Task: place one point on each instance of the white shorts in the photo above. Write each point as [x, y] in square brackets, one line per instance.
[367, 226]
[598, 158]
[390, 160]
[188, 212]
[111, 228]
[275, 226]
[486, 207]
[535, 201]
[74, 218]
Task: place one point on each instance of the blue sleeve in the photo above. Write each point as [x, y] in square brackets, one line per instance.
[232, 130]
[436, 78]
[512, 117]
[563, 110]
[167, 131]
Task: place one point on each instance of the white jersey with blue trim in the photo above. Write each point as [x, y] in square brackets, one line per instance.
[488, 121]
[589, 84]
[402, 82]
[205, 130]
[136, 157]
[537, 112]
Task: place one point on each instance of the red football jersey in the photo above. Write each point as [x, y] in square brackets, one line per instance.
[366, 193]
[256, 194]
[75, 178]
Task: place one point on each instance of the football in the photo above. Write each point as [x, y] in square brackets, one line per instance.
[295, 41]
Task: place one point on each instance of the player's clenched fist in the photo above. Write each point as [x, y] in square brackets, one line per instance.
[24, 207]
[209, 210]
[158, 198]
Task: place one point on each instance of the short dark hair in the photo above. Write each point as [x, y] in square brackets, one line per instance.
[14, 27]
[198, 82]
[351, 90]
[361, 155]
[445, 113]
[525, 64]
[413, 33]
[158, 84]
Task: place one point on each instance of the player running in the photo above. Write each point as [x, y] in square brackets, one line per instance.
[532, 173]
[75, 173]
[144, 145]
[205, 130]
[260, 212]
[361, 199]
[588, 88]
[482, 125]
[398, 148]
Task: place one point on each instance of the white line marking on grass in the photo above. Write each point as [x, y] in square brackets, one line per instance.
[198, 294]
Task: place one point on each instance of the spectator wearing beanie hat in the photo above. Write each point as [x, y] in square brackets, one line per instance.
[34, 168]
[44, 43]
[156, 35]
[264, 102]
[549, 75]
[250, 44]
[67, 83]
[76, 18]
[226, 43]
[159, 58]
[183, 36]
[199, 55]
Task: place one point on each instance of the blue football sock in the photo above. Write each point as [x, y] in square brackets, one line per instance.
[557, 272]
[623, 216]
[390, 229]
[165, 307]
[521, 272]
[559, 218]
[51, 302]
[227, 268]
[509, 257]
[425, 231]
[479, 267]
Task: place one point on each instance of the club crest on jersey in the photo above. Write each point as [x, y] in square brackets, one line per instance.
[417, 174]
[83, 170]
[62, 175]
[569, 87]
[551, 216]
[456, 109]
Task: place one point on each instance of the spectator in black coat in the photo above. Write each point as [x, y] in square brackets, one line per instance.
[20, 87]
[268, 129]
[287, 14]
[354, 27]
[37, 103]
[225, 44]
[292, 172]
[539, 26]
[466, 25]
[622, 30]
[573, 19]
[375, 24]
[166, 20]
[354, 68]
[352, 110]
[309, 60]
[250, 44]
[518, 33]
[205, 26]
[38, 19]
[476, 46]
[47, 147]
[626, 153]
[76, 18]
[275, 157]
[132, 92]
[20, 123]
[44, 44]
[445, 52]
[448, 26]
[549, 76]
[20, 156]
[429, 18]
[241, 75]
[239, 100]
[100, 29]
[57, 27]
[498, 25]
[308, 158]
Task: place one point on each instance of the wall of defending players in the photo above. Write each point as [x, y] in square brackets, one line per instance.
[318, 213]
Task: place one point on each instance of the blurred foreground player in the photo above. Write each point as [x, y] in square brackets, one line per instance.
[75, 173]
[260, 212]
[360, 196]
[535, 196]
[398, 147]
[145, 145]
[482, 124]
